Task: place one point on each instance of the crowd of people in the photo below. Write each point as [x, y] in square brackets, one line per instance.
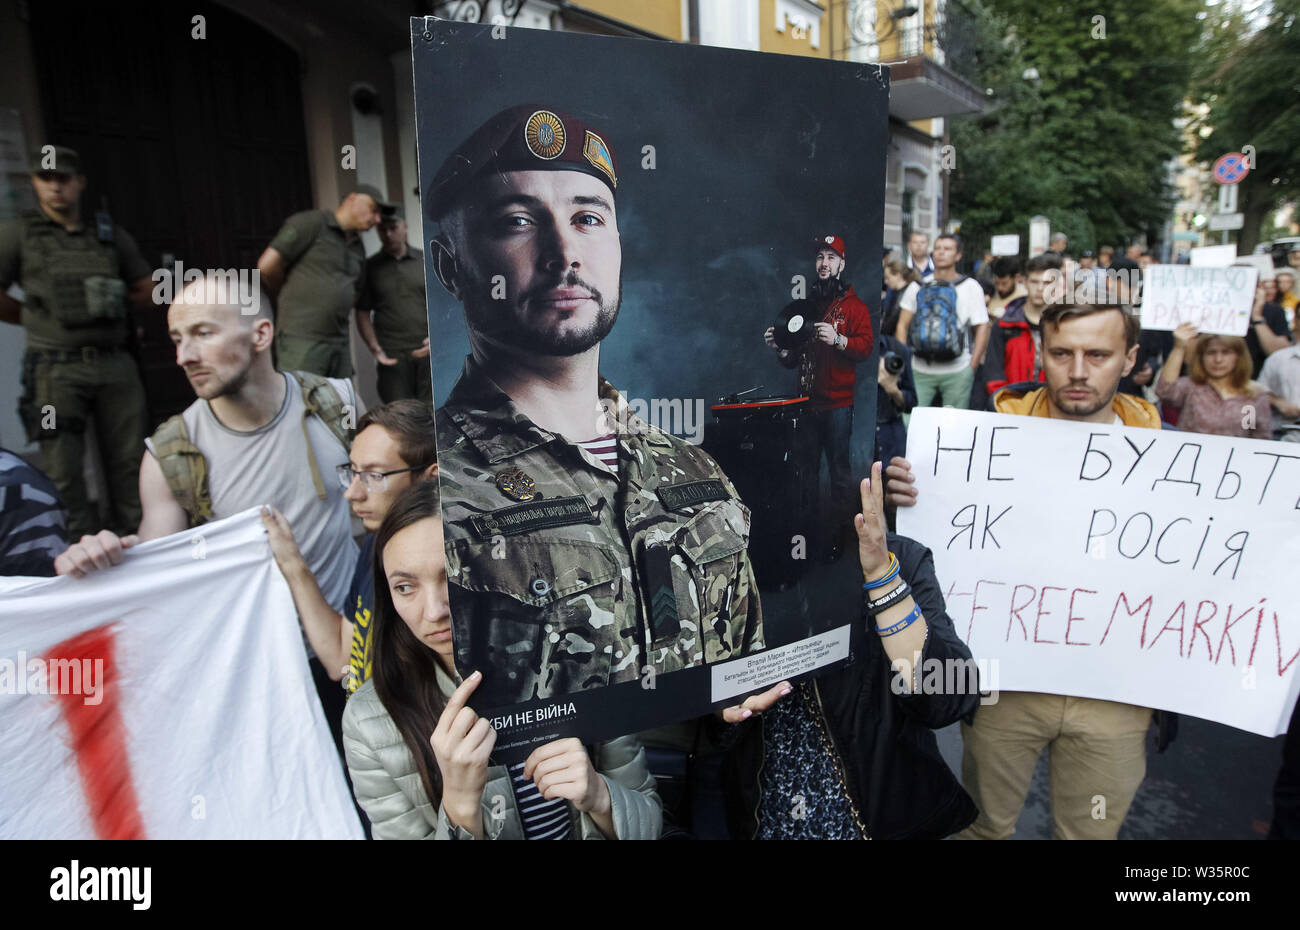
[76, 278]
[850, 754]
[965, 347]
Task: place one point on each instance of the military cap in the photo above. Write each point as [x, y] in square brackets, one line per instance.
[62, 160]
[523, 138]
[396, 213]
[1087, 253]
[386, 209]
[834, 243]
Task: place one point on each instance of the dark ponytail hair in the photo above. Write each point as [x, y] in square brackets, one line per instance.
[405, 669]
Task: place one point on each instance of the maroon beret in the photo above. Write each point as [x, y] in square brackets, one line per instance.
[522, 138]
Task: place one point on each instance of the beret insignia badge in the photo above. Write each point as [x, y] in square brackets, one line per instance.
[596, 152]
[544, 134]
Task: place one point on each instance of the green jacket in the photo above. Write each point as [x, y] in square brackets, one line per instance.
[388, 786]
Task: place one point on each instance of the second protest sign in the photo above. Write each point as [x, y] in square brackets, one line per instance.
[1143, 566]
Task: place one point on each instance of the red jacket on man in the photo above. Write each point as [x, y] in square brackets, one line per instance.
[833, 371]
[1010, 357]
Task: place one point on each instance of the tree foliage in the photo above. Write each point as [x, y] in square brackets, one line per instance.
[1087, 143]
[1247, 83]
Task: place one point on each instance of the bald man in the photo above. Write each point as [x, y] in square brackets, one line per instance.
[253, 436]
[246, 430]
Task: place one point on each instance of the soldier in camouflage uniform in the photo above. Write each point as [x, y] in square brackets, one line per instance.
[584, 547]
[76, 280]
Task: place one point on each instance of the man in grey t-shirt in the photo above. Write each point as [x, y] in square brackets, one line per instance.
[259, 448]
[249, 425]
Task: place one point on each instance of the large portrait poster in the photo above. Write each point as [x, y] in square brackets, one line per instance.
[647, 497]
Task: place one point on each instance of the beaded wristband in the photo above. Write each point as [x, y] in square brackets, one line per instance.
[889, 600]
[888, 577]
[901, 624]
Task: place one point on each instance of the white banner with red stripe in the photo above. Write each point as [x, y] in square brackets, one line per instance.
[166, 697]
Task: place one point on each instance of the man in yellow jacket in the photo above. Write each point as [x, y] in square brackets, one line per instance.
[1097, 748]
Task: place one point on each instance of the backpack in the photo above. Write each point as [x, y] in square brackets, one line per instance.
[936, 333]
[186, 470]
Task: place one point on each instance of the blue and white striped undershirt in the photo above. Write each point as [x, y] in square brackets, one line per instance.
[543, 819]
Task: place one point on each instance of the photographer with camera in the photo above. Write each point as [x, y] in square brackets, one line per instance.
[895, 396]
[826, 365]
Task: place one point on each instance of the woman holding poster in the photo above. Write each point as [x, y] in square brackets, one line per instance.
[1217, 397]
[852, 755]
[419, 756]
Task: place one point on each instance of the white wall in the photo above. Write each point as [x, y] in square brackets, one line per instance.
[404, 92]
[729, 23]
[12, 342]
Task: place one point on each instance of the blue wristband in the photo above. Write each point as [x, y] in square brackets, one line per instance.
[889, 575]
[901, 624]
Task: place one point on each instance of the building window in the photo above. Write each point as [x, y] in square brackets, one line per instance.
[909, 217]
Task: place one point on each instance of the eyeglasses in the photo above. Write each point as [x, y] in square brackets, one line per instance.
[370, 480]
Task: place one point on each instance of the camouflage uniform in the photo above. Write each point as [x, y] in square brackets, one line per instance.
[77, 368]
[601, 574]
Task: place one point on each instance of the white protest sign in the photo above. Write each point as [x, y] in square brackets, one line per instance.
[1039, 227]
[1005, 245]
[1217, 300]
[1150, 567]
[1262, 262]
[168, 697]
[1213, 256]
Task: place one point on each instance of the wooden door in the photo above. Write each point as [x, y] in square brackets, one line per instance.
[197, 146]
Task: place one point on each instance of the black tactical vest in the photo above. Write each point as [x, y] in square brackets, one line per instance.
[74, 292]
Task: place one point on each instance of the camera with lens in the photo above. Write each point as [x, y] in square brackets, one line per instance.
[893, 362]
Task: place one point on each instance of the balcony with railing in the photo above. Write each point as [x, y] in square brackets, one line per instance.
[929, 48]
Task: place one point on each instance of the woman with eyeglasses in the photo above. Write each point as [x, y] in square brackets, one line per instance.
[419, 756]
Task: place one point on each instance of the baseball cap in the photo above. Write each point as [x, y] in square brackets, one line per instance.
[834, 243]
[62, 160]
[385, 209]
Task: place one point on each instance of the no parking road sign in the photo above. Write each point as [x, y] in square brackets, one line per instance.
[1231, 168]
